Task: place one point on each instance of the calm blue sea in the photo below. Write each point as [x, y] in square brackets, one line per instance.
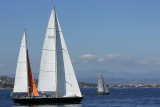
[129, 97]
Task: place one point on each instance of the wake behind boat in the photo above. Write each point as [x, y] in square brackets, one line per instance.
[57, 82]
[102, 88]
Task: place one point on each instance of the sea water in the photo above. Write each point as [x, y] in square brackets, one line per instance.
[123, 97]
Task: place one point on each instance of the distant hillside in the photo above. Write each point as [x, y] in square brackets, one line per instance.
[111, 80]
[122, 80]
[6, 82]
[87, 85]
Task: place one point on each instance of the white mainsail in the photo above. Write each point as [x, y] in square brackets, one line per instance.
[101, 85]
[47, 75]
[62, 78]
[21, 79]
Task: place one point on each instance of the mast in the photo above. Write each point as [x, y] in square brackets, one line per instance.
[103, 84]
[27, 61]
[28, 68]
[55, 52]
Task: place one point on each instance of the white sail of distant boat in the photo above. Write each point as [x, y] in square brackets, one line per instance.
[24, 82]
[56, 70]
[102, 88]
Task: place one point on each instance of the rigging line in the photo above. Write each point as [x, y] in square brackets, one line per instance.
[21, 62]
[50, 28]
[47, 71]
[63, 52]
[48, 50]
[19, 77]
[58, 31]
[103, 85]
[64, 49]
[47, 77]
[68, 83]
[48, 63]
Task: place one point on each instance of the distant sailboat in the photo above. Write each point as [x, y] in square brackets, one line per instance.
[102, 88]
[24, 82]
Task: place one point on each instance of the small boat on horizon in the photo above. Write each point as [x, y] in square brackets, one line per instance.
[102, 88]
[57, 81]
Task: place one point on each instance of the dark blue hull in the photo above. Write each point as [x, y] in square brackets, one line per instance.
[102, 93]
[39, 100]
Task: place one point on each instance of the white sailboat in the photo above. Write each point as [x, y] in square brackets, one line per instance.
[57, 81]
[24, 86]
[102, 88]
[57, 75]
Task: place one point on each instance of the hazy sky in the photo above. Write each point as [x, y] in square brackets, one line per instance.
[119, 38]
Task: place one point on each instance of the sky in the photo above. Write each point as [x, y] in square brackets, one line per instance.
[118, 38]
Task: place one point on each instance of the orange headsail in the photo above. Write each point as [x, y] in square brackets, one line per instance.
[32, 86]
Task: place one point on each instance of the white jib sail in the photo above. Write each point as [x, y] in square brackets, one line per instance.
[67, 84]
[47, 75]
[21, 79]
